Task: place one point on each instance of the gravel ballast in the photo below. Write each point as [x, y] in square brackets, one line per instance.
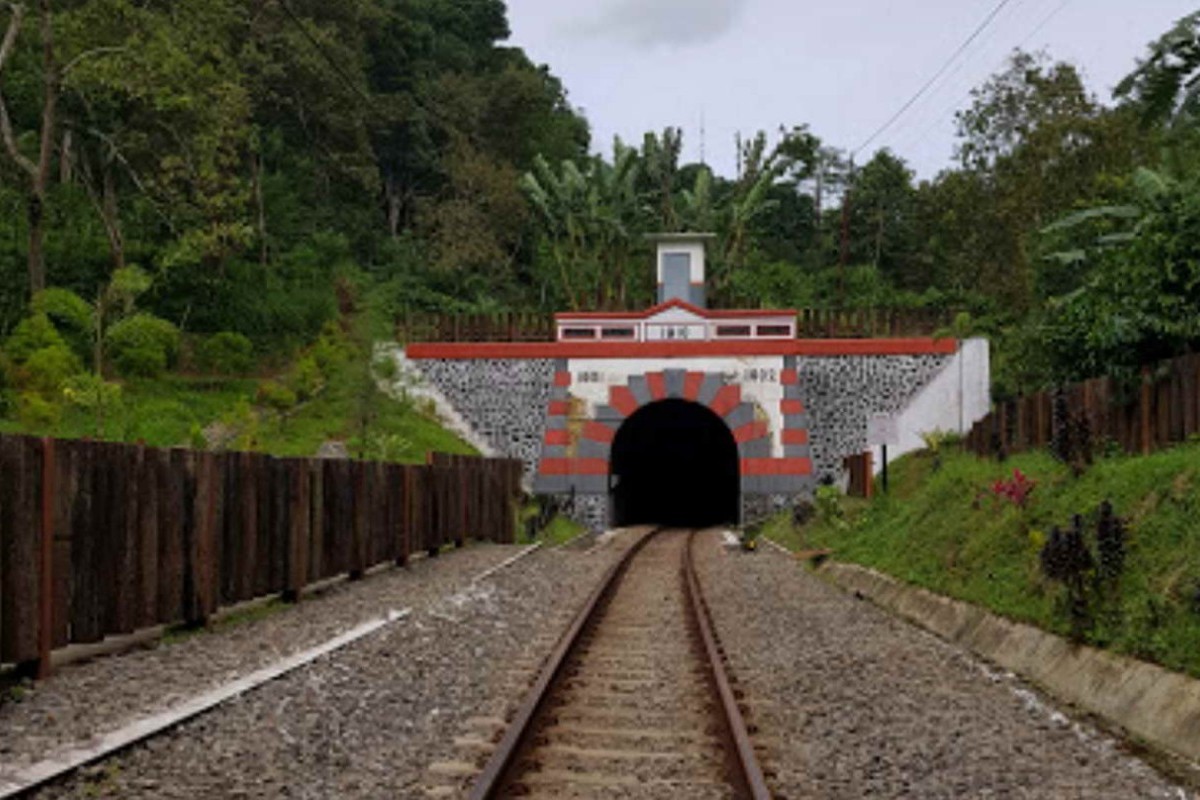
[362, 721]
[851, 702]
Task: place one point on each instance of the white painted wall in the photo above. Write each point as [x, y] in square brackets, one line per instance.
[694, 249]
[955, 400]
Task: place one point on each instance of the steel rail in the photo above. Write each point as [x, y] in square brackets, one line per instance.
[747, 761]
[490, 782]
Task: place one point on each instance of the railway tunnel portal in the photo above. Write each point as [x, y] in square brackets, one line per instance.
[674, 462]
[686, 415]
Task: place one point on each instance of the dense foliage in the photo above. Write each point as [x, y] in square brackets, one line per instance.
[206, 185]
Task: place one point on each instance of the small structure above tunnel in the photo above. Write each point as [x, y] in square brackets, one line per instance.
[680, 266]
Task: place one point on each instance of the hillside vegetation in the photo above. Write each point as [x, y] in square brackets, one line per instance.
[951, 525]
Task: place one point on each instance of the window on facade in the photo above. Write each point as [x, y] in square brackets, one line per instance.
[579, 333]
[733, 330]
[774, 330]
[616, 333]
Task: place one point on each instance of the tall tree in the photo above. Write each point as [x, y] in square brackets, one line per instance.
[37, 171]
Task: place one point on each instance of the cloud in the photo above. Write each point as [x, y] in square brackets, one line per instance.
[667, 22]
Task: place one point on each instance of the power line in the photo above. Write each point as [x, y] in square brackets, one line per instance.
[902, 131]
[966, 95]
[961, 49]
[337, 68]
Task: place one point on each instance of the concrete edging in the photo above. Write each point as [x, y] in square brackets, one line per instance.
[1150, 702]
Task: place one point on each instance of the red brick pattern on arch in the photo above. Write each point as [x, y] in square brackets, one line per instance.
[691, 385]
[560, 408]
[657, 384]
[598, 432]
[560, 437]
[751, 431]
[726, 399]
[622, 399]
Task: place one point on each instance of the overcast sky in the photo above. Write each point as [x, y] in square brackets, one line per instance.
[844, 67]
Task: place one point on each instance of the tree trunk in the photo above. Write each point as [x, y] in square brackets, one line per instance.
[110, 213]
[391, 199]
[37, 203]
[66, 158]
[264, 255]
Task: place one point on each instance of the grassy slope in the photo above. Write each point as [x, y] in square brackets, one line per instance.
[166, 412]
[933, 531]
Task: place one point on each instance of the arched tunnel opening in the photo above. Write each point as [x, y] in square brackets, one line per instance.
[675, 463]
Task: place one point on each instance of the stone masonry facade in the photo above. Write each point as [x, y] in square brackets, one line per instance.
[794, 418]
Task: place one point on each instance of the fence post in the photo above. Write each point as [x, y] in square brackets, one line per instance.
[46, 590]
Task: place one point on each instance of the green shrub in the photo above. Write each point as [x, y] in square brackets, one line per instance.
[37, 414]
[88, 392]
[225, 353]
[275, 395]
[46, 370]
[306, 378]
[143, 345]
[333, 349]
[829, 507]
[70, 314]
[33, 333]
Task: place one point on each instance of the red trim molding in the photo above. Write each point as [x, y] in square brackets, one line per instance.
[683, 349]
[776, 466]
[795, 436]
[573, 466]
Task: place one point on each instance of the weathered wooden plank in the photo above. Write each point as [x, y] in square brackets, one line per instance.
[299, 528]
[204, 544]
[66, 483]
[356, 489]
[316, 550]
[19, 549]
[248, 527]
[123, 540]
[171, 543]
[147, 535]
[281, 522]
[87, 617]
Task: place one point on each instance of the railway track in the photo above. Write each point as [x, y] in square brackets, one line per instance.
[634, 702]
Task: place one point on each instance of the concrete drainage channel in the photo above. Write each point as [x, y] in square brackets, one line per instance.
[65, 761]
[1152, 703]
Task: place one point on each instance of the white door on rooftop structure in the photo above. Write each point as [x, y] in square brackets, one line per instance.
[677, 276]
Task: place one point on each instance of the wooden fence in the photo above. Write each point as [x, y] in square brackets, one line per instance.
[508, 327]
[812, 323]
[870, 323]
[1163, 410]
[99, 539]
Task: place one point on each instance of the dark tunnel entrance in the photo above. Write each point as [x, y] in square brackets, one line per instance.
[674, 463]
